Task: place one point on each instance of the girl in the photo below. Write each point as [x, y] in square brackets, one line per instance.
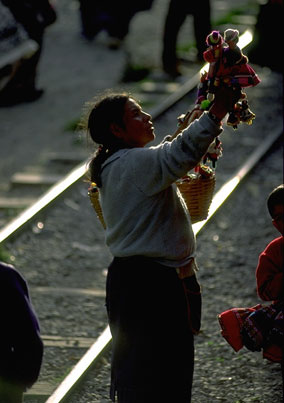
[149, 233]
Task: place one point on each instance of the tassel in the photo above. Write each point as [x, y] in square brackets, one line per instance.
[94, 196]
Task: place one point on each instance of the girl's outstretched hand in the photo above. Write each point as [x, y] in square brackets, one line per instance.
[184, 120]
[224, 101]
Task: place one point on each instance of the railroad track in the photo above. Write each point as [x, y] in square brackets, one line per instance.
[31, 214]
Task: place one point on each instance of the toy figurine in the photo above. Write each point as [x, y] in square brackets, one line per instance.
[227, 66]
[213, 55]
[214, 152]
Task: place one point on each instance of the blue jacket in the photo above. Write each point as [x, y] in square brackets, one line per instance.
[21, 347]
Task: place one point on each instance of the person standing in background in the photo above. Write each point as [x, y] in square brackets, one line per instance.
[34, 16]
[177, 12]
[109, 16]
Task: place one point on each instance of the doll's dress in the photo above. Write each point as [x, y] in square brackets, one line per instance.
[234, 69]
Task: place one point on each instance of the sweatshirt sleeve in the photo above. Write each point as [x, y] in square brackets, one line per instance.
[156, 168]
[269, 272]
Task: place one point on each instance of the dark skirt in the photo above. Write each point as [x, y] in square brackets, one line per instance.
[152, 347]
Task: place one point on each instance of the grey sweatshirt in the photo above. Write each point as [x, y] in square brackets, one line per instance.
[144, 213]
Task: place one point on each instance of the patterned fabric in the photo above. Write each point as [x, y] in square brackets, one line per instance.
[264, 327]
[194, 302]
[257, 328]
[231, 322]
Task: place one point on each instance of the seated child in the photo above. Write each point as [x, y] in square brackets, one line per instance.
[269, 272]
[262, 327]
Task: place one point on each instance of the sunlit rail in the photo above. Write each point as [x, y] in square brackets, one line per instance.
[85, 363]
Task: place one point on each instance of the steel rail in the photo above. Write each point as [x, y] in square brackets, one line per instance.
[60, 187]
[89, 359]
[81, 368]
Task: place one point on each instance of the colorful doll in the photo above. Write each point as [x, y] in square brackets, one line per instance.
[227, 66]
[243, 76]
[213, 56]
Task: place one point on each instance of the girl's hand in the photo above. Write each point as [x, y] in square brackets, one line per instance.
[184, 120]
[224, 101]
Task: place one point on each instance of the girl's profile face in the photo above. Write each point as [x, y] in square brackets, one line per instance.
[138, 130]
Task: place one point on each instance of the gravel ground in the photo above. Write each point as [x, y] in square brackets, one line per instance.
[69, 250]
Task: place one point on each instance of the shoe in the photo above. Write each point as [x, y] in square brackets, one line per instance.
[15, 97]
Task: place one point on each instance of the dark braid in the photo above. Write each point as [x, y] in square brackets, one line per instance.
[107, 111]
[95, 165]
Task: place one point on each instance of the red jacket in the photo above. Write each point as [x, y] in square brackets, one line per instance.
[269, 271]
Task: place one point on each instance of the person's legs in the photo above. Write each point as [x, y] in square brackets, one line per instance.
[176, 16]
[92, 18]
[202, 25]
[118, 26]
[153, 350]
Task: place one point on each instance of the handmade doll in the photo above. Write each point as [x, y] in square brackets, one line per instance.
[213, 55]
[227, 66]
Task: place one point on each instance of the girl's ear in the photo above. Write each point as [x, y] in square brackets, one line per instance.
[116, 130]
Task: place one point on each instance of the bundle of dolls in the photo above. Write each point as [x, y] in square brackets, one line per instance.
[227, 66]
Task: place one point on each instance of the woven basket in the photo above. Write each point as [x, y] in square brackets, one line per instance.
[197, 192]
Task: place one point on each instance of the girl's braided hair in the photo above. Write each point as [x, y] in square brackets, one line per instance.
[107, 110]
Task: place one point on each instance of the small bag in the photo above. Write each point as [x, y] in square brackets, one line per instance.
[194, 302]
